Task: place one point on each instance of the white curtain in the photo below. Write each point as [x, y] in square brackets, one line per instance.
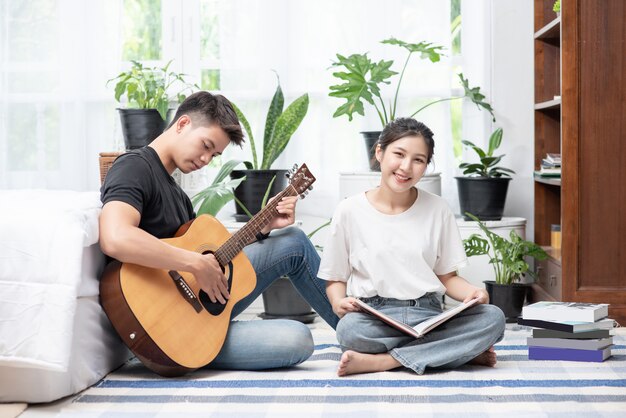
[57, 114]
[300, 40]
[55, 111]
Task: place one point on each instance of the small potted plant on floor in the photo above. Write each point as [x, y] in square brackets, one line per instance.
[362, 80]
[507, 257]
[148, 92]
[484, 184]
[261, 178]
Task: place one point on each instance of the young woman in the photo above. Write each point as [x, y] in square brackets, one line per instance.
[398, 248]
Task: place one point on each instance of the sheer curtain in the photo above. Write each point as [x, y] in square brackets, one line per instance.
[300, 40]
[55, 111]
[56, 114]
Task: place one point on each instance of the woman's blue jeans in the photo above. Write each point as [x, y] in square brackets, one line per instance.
[450, 345]
[268, 344]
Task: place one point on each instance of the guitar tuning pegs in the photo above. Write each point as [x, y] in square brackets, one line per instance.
[288, 174]
[310, 187]
[295, 167]
[302, 196]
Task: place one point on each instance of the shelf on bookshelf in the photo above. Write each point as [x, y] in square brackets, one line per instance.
[551, 31]
[548, 105]
[552, 181]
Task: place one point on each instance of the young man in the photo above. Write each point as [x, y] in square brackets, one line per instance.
[142, 203]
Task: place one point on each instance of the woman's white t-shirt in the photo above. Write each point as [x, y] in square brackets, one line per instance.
[394, 256]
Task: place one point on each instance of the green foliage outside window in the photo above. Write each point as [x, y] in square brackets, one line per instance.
[210, 80]
[209, 30]
[455, 26]
[456, 106]
[141, 30]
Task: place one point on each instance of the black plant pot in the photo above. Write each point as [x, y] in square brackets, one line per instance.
[483, 197]
[282, 300]
[508, 297]
[251, 191]
[141, 126]
[371, 137]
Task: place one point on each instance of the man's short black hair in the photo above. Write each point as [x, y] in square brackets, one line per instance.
[205, 109]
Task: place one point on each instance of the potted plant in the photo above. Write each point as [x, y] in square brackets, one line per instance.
[484, 185]
[362, 79]
[147, 91]
[261, 179]
[507, 257]
[282, 300]
[213, 198]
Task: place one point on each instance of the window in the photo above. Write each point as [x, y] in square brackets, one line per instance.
[209, 45]
[141, 30]
[58, 113]
[456, 106]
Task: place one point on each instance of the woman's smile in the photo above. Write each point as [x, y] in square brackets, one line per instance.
[401, 178]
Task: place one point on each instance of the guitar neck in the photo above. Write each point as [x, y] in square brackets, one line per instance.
[248, 232]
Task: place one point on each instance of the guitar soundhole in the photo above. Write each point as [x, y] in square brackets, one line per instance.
[216, 308]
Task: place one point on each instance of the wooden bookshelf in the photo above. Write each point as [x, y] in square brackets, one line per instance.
[551, 181]
[553, 104]
[580, 102]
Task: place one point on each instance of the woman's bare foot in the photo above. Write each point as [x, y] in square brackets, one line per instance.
[488, 358]
[353, 362]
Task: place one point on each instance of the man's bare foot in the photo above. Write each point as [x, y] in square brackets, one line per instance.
[488, 358]
[353, 362]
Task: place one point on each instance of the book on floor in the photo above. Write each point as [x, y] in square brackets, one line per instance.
[566, 311]
[551, 333]
[551, 353]
[422, 328]
[568, 326]
[582, 344]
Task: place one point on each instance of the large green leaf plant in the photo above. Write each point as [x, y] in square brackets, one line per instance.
[280, 125]
[505, 256]
[213, 198]
[362, 79]
[149, 87]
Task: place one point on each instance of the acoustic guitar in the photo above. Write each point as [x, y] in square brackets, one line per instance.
[164, 317]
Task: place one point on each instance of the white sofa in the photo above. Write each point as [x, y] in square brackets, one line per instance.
[55, 339]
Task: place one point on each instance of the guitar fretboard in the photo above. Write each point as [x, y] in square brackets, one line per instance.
[248, 232]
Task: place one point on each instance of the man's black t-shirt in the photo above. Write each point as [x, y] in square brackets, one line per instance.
[139, 178]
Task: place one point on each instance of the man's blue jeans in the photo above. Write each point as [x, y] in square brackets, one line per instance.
[268, 344]
[450, 345]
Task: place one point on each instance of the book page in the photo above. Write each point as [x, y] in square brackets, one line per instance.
[422, 328]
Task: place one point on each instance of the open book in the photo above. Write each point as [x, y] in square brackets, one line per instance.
[422, 328]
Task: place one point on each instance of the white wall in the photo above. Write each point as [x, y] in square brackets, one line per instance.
[512, 95]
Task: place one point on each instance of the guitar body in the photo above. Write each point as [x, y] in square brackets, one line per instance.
[154, 318]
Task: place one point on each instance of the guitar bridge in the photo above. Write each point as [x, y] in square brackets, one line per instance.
[185, 290]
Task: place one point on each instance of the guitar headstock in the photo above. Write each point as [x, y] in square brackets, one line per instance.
[301, 179]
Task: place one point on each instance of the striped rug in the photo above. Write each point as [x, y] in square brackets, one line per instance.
[515, 387]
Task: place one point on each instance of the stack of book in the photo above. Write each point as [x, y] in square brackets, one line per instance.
[568, 331]
[550, 166]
